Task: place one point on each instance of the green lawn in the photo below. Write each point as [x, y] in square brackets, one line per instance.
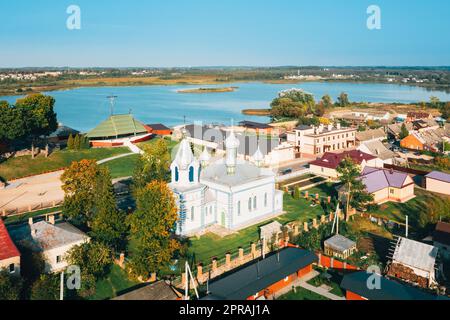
[113, 285]
[210, 245]
[25, 166]
[301, 294]
[324, 190]
[336, 288]
[122, 167]
[424, 202]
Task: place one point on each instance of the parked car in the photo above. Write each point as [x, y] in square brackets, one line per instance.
[286, 171]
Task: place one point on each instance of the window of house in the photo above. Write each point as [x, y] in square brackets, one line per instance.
[191, 174]
[239, 208]
[322, 169]
[177, 174]
[254, 203]
[12, 268]
[58, 259]
[210, 210]
[265, 199]
[249, 204]
[391, 191]
[192, 214]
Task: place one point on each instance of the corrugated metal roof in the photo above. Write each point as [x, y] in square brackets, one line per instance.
[117, 125]
[339, 242]
[415, 254]
[356, 282]
[260, 274]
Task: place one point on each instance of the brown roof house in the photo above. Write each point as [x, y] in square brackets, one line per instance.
[441, 239]
[326, 166]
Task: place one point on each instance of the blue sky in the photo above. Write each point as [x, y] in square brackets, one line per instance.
[165, 33]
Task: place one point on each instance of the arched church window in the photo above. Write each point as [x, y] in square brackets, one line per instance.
[177, 174]
[191, 174]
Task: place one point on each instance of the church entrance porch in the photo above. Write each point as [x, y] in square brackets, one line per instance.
[217, 230]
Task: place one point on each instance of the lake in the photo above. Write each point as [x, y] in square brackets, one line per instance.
[84, 108]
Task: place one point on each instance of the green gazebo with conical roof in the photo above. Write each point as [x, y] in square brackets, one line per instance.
[117, 126]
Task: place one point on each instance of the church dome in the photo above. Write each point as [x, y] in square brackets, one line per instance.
[232, 142]
[258, 156]
[205, 155]
[184, 155]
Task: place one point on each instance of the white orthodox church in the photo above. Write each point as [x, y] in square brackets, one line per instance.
[227, 192]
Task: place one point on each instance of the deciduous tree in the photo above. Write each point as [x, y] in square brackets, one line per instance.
[355, 191]
[152, 225]
[10, 286]
[153, 165]
[38, 116]
[109, 223]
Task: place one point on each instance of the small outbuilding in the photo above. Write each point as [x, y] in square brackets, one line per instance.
[339, 246]
[414, 262]
[156, 291]
[270, 230]
[439, 182]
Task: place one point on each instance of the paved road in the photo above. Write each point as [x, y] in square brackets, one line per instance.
[114, 158]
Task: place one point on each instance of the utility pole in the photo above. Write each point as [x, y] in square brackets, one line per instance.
[189, 275]
[61, 287]
[112, 98]
[406, 229]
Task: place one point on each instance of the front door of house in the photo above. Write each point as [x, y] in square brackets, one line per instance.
[222, 221]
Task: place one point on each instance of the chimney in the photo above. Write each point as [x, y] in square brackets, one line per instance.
[51, 219]
[30, 221]
[330, 127]
[338, 126]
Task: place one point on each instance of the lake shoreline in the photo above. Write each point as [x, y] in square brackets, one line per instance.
[180, 82]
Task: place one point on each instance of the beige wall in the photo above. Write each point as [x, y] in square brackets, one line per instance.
[438, 186]
[323, 171]
[394, 194]
[4, 264]
[50, 256]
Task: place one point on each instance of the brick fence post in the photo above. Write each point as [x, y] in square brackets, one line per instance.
[315, 223]
[329, 199]
[214, 265]
[228, 260]
[305, 226]
[332, 263]
[241, 254]
[253, 249]
[199, 271]
[306, 194]
[323, 219]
